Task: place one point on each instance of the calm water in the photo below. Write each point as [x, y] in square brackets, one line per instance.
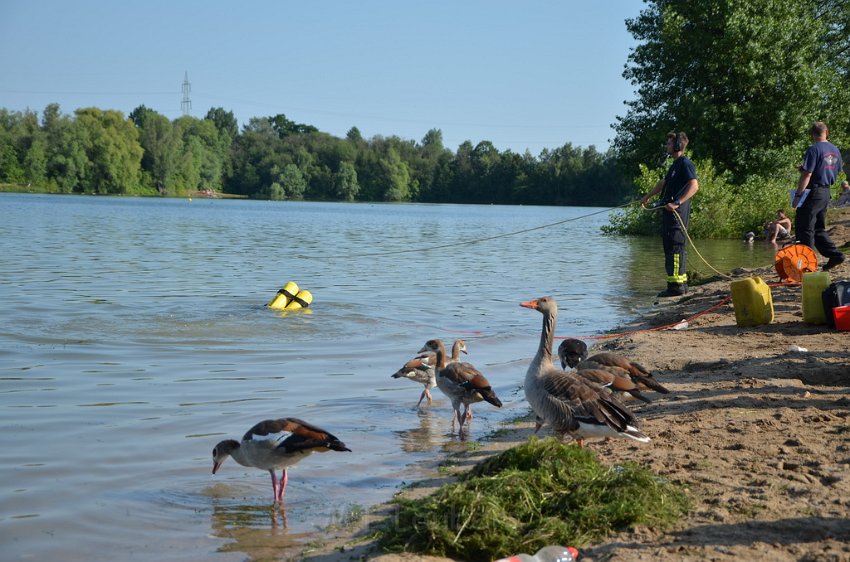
[134, 338]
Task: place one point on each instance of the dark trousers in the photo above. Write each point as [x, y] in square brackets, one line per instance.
[675, 244]
[810, 223]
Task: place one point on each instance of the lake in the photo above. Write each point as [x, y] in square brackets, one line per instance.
[135, 337]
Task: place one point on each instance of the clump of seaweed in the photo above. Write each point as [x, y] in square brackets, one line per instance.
[539, 493]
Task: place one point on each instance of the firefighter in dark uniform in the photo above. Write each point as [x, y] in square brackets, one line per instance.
[821, 165]
[678, 186]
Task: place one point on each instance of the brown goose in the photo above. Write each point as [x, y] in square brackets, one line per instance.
[570, 404]
[273, 444]
[573, 352]
[461, 382]
[611, 380]
[421, 369]
[637, 372]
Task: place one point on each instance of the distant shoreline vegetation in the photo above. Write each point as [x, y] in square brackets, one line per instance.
[102, 152]
[97, 151]
[746, 97]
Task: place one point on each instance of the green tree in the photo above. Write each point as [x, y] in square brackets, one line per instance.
[744, 79]
[462, 173]
[202, 161]
[432, 142]
[161, 144]
[256, 153]
[293, 182]
[353, 135]
[228, 131]
[225, 122]
[67, 162]
[836, 42]
[396, 176]
[114, 154]
[35, 161]
[286, 127]
[345, 181]
[10, 161]
[11, 170]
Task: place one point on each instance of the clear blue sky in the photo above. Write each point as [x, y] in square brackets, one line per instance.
[525, 74]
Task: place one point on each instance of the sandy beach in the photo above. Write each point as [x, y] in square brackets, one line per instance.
[757, 432]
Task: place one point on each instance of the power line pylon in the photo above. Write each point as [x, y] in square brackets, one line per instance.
[186, 105]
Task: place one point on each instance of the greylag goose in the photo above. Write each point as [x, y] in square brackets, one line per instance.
[273, 444]
[570, 404]
[461, 382]
[421, 369]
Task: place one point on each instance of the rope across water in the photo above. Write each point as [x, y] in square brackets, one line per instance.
[505, 235]
[462, 242]
[532, 229]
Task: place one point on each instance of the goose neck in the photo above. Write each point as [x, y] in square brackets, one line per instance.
[544, 351]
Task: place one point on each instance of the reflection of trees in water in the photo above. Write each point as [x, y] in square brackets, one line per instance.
[258, 531]
[639, 263]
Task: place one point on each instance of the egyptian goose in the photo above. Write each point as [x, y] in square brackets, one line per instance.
[570, 404]
[618, 383]
[461, 382]
[617, 363]
[421, 369]
[572, 352]
[273, 444]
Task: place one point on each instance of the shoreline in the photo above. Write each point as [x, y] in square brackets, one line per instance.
[757, 434]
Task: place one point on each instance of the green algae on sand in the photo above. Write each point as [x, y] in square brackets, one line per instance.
[538, 493]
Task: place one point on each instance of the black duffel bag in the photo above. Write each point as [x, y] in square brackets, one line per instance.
[837, 294]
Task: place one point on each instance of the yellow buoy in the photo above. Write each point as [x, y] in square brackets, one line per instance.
[301, 300]
[284, 296]
[753, 302]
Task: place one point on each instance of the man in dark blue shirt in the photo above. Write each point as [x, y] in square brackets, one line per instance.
[678, 186]
[821, 165]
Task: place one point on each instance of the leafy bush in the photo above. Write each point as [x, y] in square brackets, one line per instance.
[539, 493]
[720, 208]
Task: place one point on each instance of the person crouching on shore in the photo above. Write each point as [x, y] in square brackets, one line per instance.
[778, 228]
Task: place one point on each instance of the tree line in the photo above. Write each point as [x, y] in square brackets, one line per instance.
[97, 151]
[744, 78]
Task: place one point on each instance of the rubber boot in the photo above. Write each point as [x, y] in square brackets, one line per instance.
[674, 290]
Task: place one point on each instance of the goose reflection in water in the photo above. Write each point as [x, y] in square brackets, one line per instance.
[426, 437]
[258, 531]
